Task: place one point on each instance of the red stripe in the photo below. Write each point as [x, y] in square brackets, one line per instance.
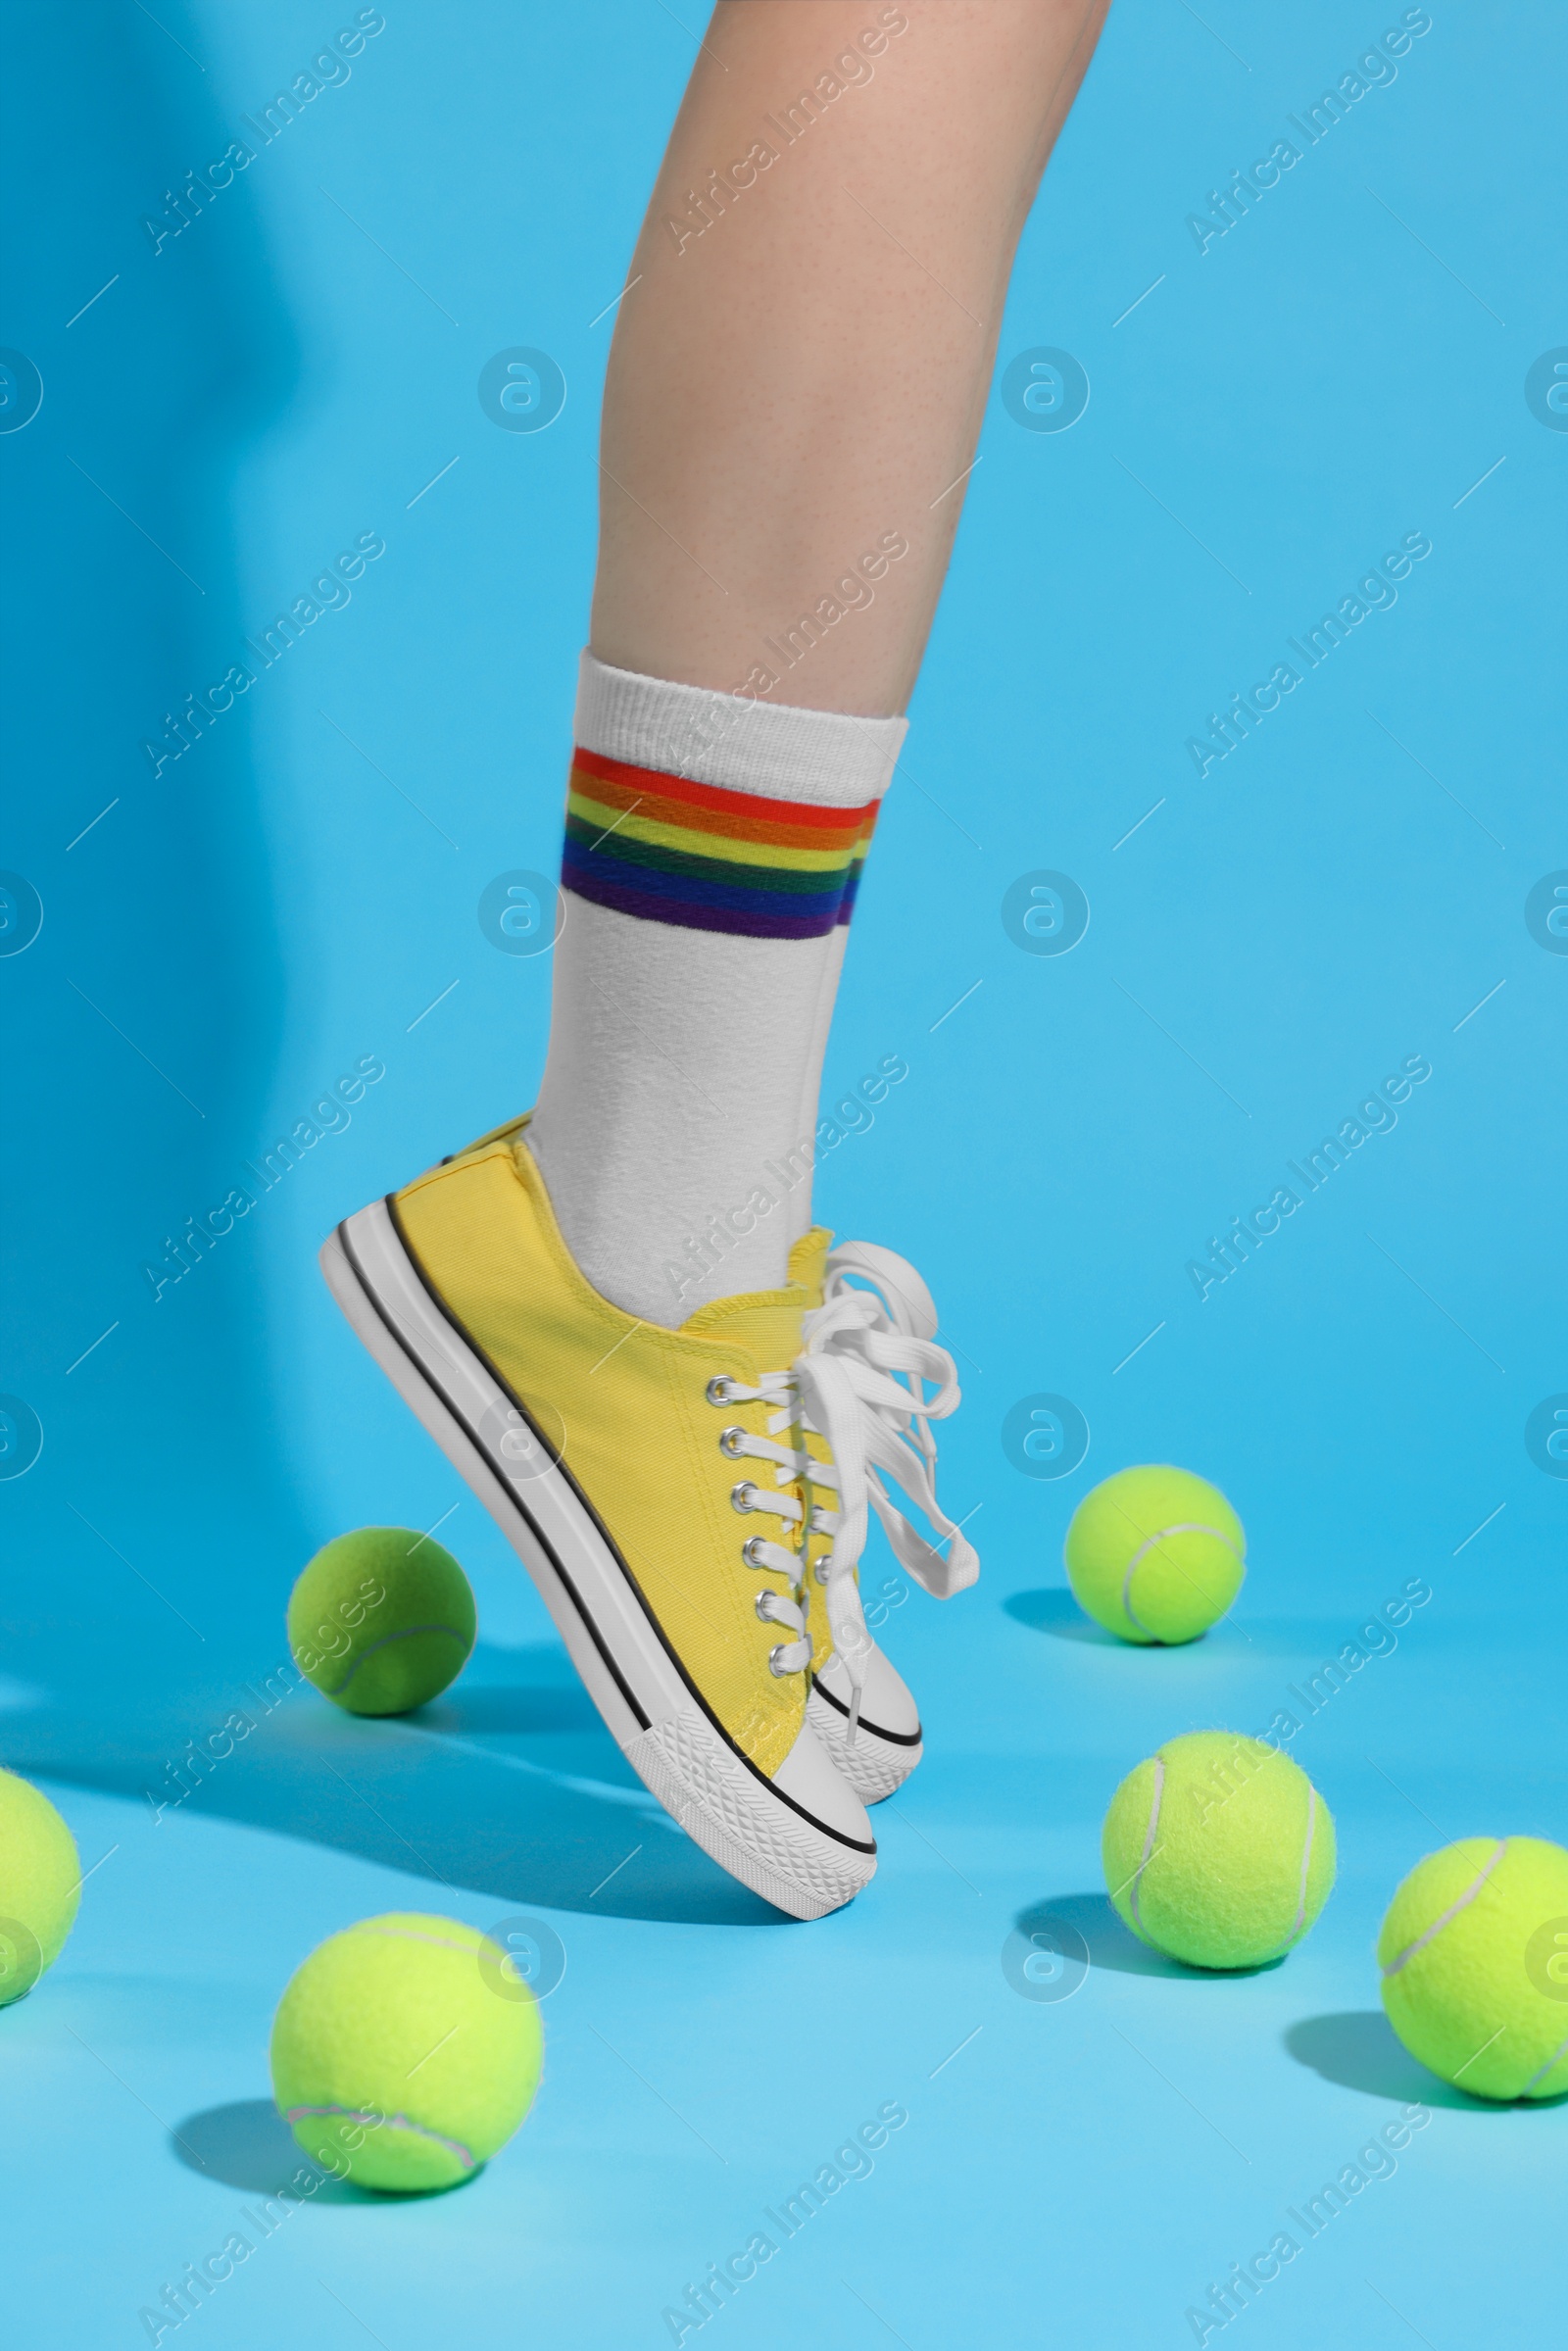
[748, 804]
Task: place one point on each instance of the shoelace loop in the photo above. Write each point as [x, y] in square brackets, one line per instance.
[867, 1359]
[864, 1373]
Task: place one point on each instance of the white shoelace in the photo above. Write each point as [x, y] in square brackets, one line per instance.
[861, 1381]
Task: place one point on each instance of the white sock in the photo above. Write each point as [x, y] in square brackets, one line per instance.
[673, 1128]
[798, 1207]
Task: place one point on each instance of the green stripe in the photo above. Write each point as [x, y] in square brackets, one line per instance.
[784, 879]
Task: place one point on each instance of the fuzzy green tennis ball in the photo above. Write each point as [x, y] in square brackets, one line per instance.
[1473, 1953]
[406, 2051]
[1156, 1555]
[40, 1885]
[382, 1620]
[1218, 1850]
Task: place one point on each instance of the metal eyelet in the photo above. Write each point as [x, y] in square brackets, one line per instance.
[730, 1441]
[760, 1605]
[741, 1495]
[774, 1656]
[749, 1549]
[822, 1566]
[717, 1390]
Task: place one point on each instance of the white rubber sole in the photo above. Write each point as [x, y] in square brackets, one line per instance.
[747, 1821]
[871, 1763]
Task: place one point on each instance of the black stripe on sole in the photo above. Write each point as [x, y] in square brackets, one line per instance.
[895, 1738]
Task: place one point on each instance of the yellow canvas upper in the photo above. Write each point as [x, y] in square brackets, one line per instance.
[626, 1403]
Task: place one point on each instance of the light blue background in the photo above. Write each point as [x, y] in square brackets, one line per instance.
[228, 939]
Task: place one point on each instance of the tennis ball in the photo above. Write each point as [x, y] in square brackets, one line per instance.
[406, 2051]
[1218, 1850]
[1473, 1953]
[1156, 1555]
[40, 1885]
[382, 1620]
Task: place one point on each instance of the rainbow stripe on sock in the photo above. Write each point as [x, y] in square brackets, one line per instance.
[706, 860]
[857, 868]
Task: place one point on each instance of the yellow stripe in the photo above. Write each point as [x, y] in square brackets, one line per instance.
[697, 843]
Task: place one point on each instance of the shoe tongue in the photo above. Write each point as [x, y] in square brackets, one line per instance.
[766, 1323]
[808, 1261]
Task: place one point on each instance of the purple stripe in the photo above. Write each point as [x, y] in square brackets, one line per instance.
[690, 915]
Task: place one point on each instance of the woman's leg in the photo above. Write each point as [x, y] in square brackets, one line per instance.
[798, 373]
[808, 373]
[795, 392]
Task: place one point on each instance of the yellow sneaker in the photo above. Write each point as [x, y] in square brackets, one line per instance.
[612, 1456]
[860, 1706]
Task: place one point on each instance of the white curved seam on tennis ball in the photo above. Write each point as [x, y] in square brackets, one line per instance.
[1469, 1894]
[408, 1633]
[1148, 1836]
[412, 1935]
[1541, 2071]
[1186, 1527]
[397, 2122]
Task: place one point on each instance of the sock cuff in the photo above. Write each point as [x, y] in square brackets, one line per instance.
[828, 758]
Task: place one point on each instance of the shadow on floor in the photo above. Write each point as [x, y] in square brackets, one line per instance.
[247, 2144]
[516, 1791]
[1359, 2049]
[1113, 1944]
[1056, 1611]
[527, 1712]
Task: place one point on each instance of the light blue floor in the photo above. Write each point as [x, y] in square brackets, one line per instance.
[1347, 888]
